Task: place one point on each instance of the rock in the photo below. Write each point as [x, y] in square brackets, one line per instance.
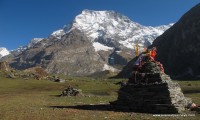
[60, 80]
[56, 79]
[11, 76]
[36, 73]
[4, 66]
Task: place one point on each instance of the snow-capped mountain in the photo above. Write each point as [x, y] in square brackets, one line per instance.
[113, 29]
[120, 29]
[110, 29]
[3, 52]
[94, 41]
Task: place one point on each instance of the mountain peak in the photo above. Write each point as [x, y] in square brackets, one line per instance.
[34, 41]
[103, 25]
[87, 11]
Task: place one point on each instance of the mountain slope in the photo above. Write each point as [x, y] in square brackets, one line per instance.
[179, 47]
[72, 55]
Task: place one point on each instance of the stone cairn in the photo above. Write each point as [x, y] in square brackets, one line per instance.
[150, 90]
[70, 91]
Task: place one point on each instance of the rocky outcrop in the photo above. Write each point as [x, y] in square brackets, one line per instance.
[179, 47]
[4, 66]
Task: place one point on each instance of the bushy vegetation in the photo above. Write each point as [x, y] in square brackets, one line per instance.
[38, 100]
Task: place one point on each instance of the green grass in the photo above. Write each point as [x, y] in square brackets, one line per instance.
[37, 100]
[191, 89]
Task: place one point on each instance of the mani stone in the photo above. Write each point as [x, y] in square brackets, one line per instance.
[150, 90]
[70, 91]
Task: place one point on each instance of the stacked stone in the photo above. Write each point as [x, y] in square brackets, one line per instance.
[150, 90]
[70, 91]
[149, 72]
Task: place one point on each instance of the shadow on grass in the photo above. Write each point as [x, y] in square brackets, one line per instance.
[102, 107]
[87, 107]
[191, 91]
[55, 95]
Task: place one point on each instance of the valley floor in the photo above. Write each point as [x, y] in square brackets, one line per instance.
[38, 100]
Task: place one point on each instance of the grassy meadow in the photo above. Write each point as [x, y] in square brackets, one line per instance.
[38, 100]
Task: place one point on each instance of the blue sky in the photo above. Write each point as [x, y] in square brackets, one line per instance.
[22, 20]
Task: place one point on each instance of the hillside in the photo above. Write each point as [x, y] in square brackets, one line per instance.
[179, 47]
